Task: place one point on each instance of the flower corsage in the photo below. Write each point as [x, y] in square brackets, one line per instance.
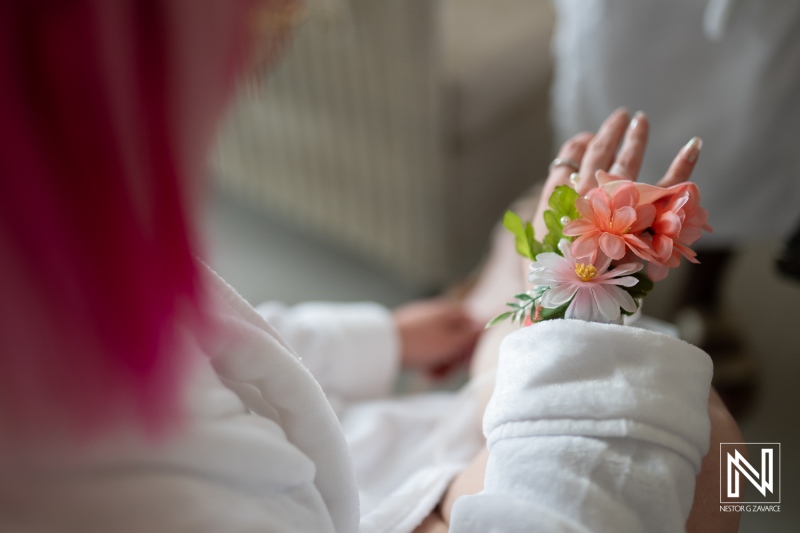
[591, 264]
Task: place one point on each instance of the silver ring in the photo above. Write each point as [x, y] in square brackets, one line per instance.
[558, 162]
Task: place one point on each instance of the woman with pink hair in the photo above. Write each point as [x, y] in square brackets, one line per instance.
[139, 392]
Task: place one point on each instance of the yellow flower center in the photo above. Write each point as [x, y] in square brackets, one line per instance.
[585, 272]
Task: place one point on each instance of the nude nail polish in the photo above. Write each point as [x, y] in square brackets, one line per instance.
[637, 117]
[692, 149]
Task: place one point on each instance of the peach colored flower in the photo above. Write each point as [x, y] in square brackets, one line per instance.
[678, 223]
[612, 223]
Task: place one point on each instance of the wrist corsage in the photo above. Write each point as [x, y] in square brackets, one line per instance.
[591, 264]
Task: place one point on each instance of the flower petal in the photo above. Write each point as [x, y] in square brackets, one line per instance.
[585, 209]
[578, 227]
[602, 211]
[622, 297]
[606, 303]
[585, 244]
[623, 219]
[581, 306]
[563, 247]
[547, 260]
[645, 215]
[544, 278]
[627, 195]
[689, 235]
[678, 201]
[639, 247]
[625, 281]
[687, 252]
[612, 245]
[558, 295]
[647, 193]
[601, 262]
[620, 270]
[657, 271]
[662, 247]
[668, 224]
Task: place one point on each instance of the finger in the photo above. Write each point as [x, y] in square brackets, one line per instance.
[572, 150]
[600, 153]
[629, 159]
[683, 164]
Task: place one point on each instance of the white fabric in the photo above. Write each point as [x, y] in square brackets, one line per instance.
[592, 427]
[612, 419]
[352, 349]
[724, 70]
[261, 450]
[405, 450]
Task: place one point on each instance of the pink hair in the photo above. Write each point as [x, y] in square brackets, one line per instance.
[106, 108]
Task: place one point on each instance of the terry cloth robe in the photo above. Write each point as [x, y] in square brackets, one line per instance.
[592, 427]
[406, 450]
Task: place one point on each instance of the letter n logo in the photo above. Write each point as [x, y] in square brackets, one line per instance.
[763, 475]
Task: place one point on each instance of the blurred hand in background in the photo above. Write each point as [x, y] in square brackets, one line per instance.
[435, 334]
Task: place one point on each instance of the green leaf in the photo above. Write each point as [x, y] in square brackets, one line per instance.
[499, 318]
[523, 296]
[524, 239]
[562, 204]
[549, 314]
[554, 231]
[562, 201]
[513, 223]
[642, 287]
[535, 246]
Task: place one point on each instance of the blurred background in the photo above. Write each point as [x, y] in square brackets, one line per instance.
[376, 159]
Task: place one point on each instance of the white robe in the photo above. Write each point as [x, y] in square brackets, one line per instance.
[592, 427]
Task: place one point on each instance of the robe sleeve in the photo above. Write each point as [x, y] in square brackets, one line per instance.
[352, 349]
[592, 427]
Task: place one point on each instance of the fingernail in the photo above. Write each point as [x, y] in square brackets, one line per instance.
[692, 149]
[638, 116]
[574, 178]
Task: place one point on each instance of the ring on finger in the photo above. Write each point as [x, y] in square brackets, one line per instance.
[563, 161]
[574, 178]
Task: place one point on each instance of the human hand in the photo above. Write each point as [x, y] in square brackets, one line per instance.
[435, 332]
[598, 161]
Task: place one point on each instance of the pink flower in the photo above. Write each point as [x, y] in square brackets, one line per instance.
[678, 222]
[611, 223]
[593, 289]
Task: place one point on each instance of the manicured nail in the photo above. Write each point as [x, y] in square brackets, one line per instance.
[637, 117]
[692, 149]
